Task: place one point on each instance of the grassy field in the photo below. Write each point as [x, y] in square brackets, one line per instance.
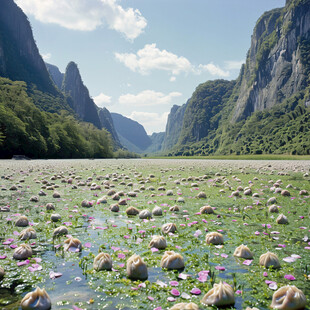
[242, 218]
[240, 157]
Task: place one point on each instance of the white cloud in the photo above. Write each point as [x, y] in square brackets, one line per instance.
[102, 100]
[151, 58]
[233, 64]
[46, 56]
[87, 15]
[152, 122]
[148, 98]
[214, 70]
[172, 79]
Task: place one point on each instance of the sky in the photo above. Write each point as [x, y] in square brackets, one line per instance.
[140, 57]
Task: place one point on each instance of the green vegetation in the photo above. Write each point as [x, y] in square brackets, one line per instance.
[242, 218]
[38, 134]
[203, 111]
[284, 129]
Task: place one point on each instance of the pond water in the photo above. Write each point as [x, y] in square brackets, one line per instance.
[69, 278]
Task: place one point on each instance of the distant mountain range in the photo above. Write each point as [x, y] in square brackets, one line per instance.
[265, 110]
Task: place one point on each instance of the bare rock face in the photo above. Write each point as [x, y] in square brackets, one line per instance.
[82, 104]
[273, 69]
[18, 50]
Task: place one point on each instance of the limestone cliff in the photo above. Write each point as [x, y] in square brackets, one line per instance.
[55, 74]
[107, 123]
[20, 59]
[82, 104]
[274, 70]
[173, 126]
[131, 134]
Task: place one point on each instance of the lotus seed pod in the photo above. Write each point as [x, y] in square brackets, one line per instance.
[185, 306]
[102, 200]
[114, 208]
[174, 208]
[145, 214]
[56, 195]
[22, 252]
[136, 268]
[61, 230]
[273, 209]
[214, 238]
[285, 192]
[28, 233]
[202, 195]
[221, 294]
[49, 206]
[2, 273]
[122, 202]
[172, 260]
[271, 201]
[248, 192]
[157, 211]
[37, 299]
[103, 261]
[206, 210]
[73, 245]
[132, 211]
[269, 259]
[243, 251]
[158, 242]
[180, 200]
[55, 217]
[303, 192]
[22, 221]
[282, 219]
[34, 199]
[169, 228]
[86, 204]
[288, 298]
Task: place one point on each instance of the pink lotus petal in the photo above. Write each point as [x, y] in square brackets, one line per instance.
[238, 292]
[185, 296]
[121, 265]
[158, 308]
[289, 277]
[257, 233]
[142, 285]
[16, 233]
[150, 298]
[247, 262]
[273, 286]
[115, 249]
[295, 256]
[196, 291]
[154, 250]
[87, 245]
[174, 283]
[13, 246]
[38, 259]
[265, 274]
[126, 237]
[175, 292]
[121, 255]
[54, 275]
[171, 299]
[183, 276]
[77, 308]
[289, 259]
[3, 256]
[221, 268]
[224, 255]
[25, 262]
[161, 283]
